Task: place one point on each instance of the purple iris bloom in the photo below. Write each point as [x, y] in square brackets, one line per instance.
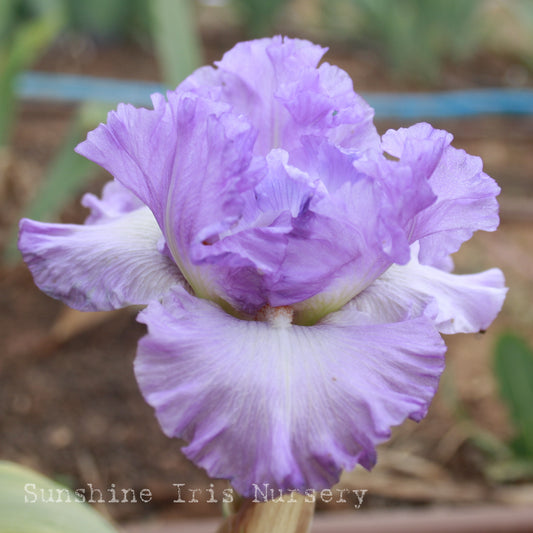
[295, 266]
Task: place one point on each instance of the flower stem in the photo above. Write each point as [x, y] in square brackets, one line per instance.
[290, 514]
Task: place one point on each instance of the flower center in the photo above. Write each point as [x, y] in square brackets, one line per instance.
[277, 317]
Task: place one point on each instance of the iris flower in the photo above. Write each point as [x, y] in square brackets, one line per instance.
[295, 266]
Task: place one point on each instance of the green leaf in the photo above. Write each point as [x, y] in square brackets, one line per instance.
[176, 39]
[24, 511]
[28, 41]
[103, 18]
[513, 366]
[258, 15]
[415, 36]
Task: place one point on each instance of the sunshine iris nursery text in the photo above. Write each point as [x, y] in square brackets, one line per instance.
[262, 493]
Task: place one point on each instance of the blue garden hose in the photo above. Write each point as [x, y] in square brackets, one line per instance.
[411, 106]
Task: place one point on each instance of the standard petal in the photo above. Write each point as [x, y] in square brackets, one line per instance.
[335, 250]
[99, 267]
[189, 160]
[466, 303]
[285, 188]
[248, 257]
[290, 97]
[353, 234]
[137, 146]
[466, 196]
[352, 120]
[269, 402]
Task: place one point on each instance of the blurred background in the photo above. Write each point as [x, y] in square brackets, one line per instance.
[69, 404]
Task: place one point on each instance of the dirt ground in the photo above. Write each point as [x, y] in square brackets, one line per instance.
[69, 403]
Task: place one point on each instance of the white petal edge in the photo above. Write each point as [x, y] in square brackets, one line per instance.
[290, 406]
[101, 266]
[467, 303]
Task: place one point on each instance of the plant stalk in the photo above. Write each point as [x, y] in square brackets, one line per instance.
[288, 514]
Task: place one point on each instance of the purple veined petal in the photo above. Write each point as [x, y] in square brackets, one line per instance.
[137, 146]
[407, 192]
[466, 196]
[324, 161]
[190, 161]
[286, 188]
[353, 120]
[99, 266]
[406, 143]
[315, 241]
[248, 76]
[353, 234]
[466, 303]
[334, 250]
[323, 103]
[242, 263]
[278, 85]
[270, 402]
[116, 201]
[254, 249]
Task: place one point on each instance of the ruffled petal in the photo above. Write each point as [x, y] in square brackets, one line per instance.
[466, 196]
[286, 188]
[138, 147]
[466, 303]
[353, 234]
[335, 249]
[100, 266]
[269, 402]
[352, 120]
[291, 97]
[190, 161]
[116, 201]
[255, 248]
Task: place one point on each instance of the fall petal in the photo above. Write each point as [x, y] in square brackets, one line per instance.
[269, 402]
[98, 267]
[466, 303]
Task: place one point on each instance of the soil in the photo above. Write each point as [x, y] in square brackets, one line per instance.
[69, 403]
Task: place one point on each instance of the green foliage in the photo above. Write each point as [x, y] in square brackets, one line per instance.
[26, 28]
[59, 516]
[503, 462]
[417, 35]
[104, 18]
[175, 39]
[108, 19]
[171, 24]
[258, 16]
[65, 176]
[513, 366]
[68, 171]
